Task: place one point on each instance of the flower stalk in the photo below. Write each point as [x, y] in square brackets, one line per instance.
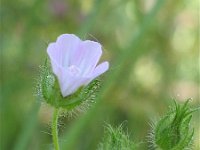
[55, 129]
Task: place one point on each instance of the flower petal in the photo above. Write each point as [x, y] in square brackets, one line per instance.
[70, 84]
[100, 69]
[74, 86]
[55, 57]
[67, 44]
[87, 57]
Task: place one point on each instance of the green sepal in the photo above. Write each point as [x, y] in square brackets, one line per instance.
[173, 131]
[116, 139]
[51, 92]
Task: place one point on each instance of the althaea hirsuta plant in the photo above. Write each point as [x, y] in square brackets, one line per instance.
[68, 78]
[68, 81]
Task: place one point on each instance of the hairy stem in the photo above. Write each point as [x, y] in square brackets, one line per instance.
[54, 129]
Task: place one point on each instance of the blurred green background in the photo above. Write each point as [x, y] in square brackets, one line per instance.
[153, 49]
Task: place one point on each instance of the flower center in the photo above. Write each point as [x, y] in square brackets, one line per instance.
[74, 70]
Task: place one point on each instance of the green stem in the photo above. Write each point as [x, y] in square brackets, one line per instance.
[54, 128]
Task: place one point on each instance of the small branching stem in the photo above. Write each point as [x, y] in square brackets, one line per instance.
[55, 129]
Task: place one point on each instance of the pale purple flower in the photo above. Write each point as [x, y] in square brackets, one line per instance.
[74, 62]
